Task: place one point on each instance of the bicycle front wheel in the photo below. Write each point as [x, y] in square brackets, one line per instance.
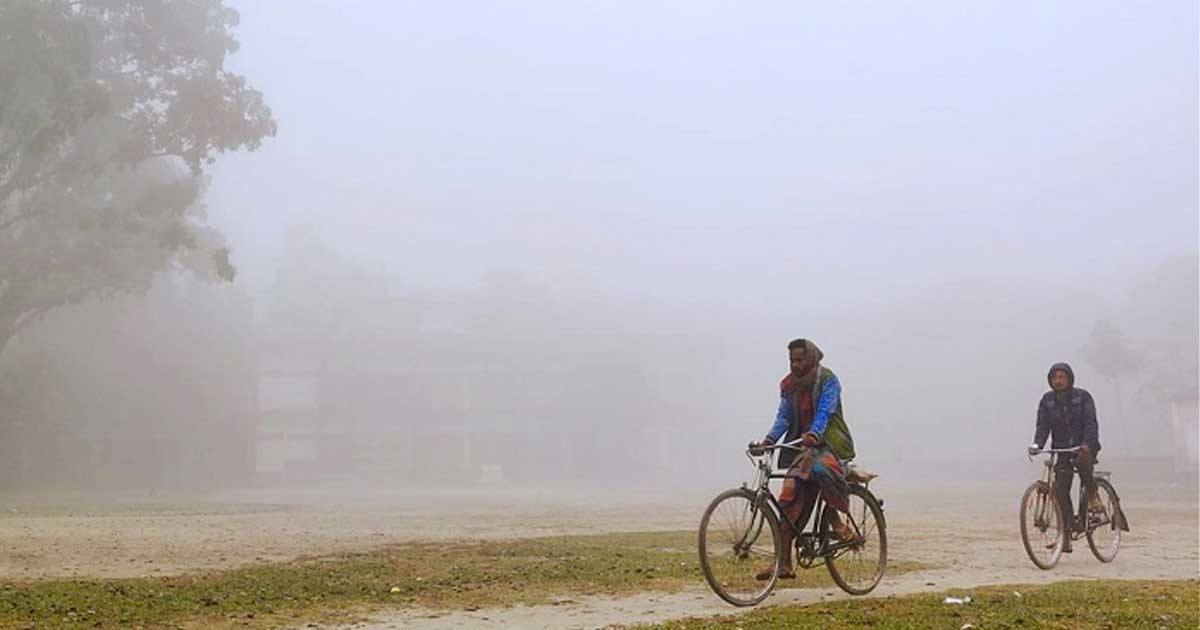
[1104, 533]
[1042, 528]
[857, 565]
[740, 547]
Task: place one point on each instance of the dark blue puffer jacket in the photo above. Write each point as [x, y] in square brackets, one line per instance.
[1069, 419]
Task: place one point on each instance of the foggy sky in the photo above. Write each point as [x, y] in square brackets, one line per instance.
[692, 151]
[944, 195]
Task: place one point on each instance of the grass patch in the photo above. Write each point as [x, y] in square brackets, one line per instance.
[430, 575]
[1064, 605]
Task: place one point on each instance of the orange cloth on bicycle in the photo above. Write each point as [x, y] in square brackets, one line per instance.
[819, 467]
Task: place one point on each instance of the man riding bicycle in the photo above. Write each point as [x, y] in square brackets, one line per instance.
[1068, 415]
[810, 409]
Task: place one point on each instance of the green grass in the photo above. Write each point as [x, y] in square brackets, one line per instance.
[434, 575]
[1064, 605]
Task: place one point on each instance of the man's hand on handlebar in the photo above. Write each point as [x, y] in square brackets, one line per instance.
[1034, 449]
[758, 448]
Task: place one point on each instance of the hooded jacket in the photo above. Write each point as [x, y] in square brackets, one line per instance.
[1070, 419]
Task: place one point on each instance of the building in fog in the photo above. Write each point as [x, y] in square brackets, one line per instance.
[1185, 432]
[442, 403]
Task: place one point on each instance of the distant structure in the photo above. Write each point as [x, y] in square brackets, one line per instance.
[443, 404]
[1185, 432]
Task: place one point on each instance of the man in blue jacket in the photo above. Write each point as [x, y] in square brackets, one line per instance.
[1067, 414]
[810, 410]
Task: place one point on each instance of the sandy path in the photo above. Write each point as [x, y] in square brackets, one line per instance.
[975, 541]
[129, 536]
[969, 531]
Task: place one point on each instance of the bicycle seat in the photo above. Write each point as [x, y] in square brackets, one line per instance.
[855, 474]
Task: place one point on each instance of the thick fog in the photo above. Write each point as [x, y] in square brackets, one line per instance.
[554, 243]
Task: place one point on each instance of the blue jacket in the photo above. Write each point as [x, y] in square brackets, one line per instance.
[827, 402]
[1070, 420]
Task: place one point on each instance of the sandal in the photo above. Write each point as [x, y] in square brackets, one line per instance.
[845, 533]
[765, 574]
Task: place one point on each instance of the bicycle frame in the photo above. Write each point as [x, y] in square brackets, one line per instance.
[809, 546]
[1045, 507]
[1042, 516]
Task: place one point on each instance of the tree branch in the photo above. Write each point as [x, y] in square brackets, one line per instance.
[7, 153]
[10, 331]
[26, 318]
[40, 307]
[7, 223]
[14, 186]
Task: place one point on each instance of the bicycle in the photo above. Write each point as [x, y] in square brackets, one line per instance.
[733, 547]
[1042, 518]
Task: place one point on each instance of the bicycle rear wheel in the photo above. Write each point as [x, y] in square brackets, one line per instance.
[858, 567]
[739, 538]
[1042, 528]
[1105, 537]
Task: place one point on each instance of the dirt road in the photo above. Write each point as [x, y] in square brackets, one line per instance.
[969, 532]
[133, 535]
[973, 542]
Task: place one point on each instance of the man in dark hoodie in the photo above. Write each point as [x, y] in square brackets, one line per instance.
[1067, 414]
[810, 410]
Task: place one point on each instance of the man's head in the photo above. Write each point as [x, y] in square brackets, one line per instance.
[1061, 377]
[803, 355]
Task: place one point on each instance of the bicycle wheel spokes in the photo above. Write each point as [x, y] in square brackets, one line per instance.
[739, 540]
[1041, 526]
[859, 567]
[1104, 537]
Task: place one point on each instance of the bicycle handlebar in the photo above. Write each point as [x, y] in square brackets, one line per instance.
[795, 445]
[1050, 451]
[1073, 449]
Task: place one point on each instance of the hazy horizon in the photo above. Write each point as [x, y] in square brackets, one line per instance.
[599, 225]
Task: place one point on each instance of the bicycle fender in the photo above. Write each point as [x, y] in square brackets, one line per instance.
[1119, 517]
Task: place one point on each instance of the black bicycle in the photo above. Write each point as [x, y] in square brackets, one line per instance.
[1045, 529]
[740, 534]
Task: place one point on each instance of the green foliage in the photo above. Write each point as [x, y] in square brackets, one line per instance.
[109, 112]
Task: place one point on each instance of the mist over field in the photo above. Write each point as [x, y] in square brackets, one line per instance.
[556, 245]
